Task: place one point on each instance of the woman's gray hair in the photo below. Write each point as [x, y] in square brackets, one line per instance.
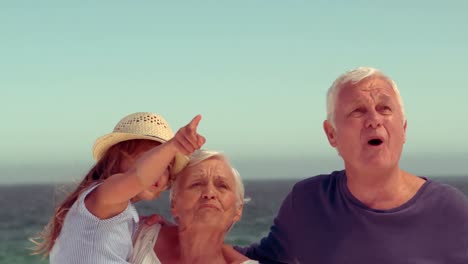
[355, 76]
[201, 155]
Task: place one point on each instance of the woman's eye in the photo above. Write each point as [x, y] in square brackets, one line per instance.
[223, 186]
[195, 184]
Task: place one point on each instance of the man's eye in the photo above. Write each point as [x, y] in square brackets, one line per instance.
[385, 109]
[358, 111]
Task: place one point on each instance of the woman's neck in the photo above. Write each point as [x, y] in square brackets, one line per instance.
[201, 245]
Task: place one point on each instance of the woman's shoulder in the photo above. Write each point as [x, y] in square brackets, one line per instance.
[234, 257]
[147, 233]
[167, 236]
[151, 232]
[143, 243]
[250, 261]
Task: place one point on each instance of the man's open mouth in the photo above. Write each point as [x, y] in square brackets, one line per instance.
[375, 142]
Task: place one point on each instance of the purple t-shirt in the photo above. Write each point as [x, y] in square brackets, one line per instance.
[320, 221]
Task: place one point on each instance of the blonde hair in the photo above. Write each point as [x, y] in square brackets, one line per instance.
[108, 165]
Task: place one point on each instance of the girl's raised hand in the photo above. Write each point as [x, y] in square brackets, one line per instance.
[187, 140]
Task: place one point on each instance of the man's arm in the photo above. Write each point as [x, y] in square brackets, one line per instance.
[278, 246]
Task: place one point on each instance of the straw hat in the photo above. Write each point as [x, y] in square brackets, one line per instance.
[141, 125]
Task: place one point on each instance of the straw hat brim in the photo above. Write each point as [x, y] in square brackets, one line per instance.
[103, 143]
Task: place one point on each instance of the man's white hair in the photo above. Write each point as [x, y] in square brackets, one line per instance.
[353, 77]
[201, 155]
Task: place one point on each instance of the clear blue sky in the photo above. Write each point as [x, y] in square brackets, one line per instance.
[257, 71]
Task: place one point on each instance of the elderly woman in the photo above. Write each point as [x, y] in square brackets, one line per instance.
[206, 200]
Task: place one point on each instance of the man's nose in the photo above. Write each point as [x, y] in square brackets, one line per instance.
[373, 119]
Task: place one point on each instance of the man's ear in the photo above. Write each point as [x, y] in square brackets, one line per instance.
[330, 132]
[404, 131]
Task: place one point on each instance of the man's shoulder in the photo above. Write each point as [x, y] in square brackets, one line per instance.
[319, 182]
[447, 192]
[446, 197]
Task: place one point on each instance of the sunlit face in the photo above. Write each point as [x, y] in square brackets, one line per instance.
[206, 195]
[155, 190]
[370, 129]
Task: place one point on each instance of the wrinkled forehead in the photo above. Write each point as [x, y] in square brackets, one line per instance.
[375, 86]
[212, 167]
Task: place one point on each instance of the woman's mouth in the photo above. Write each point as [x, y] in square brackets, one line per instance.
[208, 206]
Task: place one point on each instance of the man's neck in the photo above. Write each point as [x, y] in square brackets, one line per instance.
[383, 189]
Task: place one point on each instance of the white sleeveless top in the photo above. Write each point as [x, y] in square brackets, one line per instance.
[86, 239]
[143, 248]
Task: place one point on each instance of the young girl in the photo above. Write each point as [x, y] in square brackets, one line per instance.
[95, 223]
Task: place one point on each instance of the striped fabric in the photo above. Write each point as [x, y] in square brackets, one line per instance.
[86, 239]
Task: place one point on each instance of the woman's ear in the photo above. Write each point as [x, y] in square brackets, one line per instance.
[173, 208]
[174, 213]
[238, 213]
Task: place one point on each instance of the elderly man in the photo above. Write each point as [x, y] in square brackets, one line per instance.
[373, 211]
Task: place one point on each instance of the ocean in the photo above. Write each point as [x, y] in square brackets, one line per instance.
[27, 208]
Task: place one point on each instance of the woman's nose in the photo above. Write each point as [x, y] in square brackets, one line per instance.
[208, 192]
[208, 196]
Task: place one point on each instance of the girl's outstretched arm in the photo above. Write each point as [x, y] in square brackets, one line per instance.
[113, 195]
